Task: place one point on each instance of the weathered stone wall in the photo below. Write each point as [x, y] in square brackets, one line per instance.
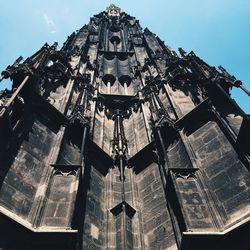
[177, 155]
[193, 204]
[23, 169]
[103, 130]
[135, 128]
[71, 147]
[156, 223]
[227, 179]
[95, 218]
[61, 198]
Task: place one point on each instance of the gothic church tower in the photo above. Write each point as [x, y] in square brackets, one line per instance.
[115, 141]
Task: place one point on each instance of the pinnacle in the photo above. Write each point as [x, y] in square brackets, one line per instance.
[113, 10]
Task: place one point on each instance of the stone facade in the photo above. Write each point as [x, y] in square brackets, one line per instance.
[117, 142]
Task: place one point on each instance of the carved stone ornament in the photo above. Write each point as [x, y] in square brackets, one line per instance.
[113, 10]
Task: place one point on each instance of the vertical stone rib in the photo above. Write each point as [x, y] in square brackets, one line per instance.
[123, 212]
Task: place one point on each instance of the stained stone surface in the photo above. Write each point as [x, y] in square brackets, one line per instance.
[115, 141]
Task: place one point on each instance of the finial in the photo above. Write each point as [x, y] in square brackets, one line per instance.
[113, 10]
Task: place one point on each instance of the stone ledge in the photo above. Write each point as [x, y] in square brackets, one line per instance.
[28, 225]
[214, 233]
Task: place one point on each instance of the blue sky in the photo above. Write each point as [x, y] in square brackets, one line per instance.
[216, 30]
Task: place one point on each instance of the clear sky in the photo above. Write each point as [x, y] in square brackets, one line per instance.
[216, 30]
